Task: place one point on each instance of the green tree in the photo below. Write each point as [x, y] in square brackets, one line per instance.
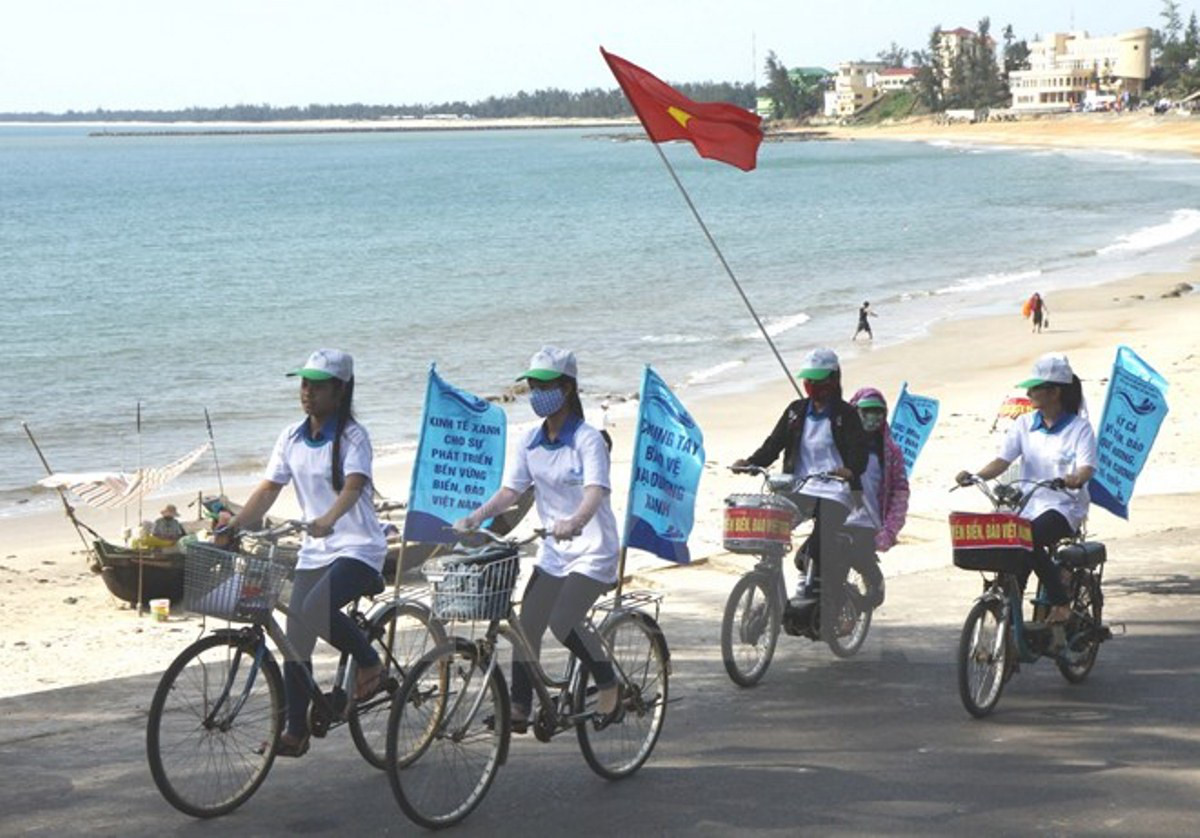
[930, 74]
[894, 56]
[1016, 53]
[785, 98]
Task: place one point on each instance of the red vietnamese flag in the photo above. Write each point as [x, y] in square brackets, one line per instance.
[718, 130]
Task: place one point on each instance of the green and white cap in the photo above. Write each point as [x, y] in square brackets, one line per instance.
[325, 364]
[549, 363]
[819, 364]
[1051, 368]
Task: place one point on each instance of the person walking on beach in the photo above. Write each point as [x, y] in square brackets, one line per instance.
[566, 461]
[1037, 311]
[327, 457]
[820, 433]
[1053, 441]
[864, 325]
[875, 525]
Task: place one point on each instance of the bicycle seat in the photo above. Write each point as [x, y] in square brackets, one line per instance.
[1089, 554]
[376, 587]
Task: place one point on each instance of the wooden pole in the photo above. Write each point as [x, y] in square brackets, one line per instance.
[61, 494]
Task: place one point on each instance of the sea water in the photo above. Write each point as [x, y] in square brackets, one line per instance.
[185, 273]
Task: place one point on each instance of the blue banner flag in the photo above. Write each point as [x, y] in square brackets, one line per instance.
[913, 418]
[1134, 409]
[460, 460]
[668, 457]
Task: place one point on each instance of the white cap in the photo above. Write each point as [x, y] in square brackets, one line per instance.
[550, 362]
[819, 364]
[1051, 368]
[325, 364]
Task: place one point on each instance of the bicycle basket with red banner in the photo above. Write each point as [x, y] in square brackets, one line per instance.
[990, 541]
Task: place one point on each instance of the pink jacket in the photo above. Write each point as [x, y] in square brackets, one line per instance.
[893, 494]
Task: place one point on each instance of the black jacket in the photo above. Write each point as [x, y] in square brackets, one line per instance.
[848, 437]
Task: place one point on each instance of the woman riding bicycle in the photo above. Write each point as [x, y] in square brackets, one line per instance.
[1054, 441]
[567, 463]
[816, 434]
[875, 525]
[327, 456]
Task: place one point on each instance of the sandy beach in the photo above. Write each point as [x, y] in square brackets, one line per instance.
[1137, 131]
[63, 628]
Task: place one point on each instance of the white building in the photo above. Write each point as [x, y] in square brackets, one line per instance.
[1065, 67]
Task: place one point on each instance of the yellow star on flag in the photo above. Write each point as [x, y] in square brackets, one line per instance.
[680, 115]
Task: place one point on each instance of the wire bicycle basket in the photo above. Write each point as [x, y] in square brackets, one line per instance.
[473, 584]
[231, 586]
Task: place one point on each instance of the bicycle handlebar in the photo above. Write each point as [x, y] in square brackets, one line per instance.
[272, 533]
[503, 541]
[1009, 494]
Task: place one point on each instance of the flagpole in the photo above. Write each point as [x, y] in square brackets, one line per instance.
[216, 461]
[728, 270]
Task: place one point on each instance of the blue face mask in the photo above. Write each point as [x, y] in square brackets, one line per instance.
[547, 402]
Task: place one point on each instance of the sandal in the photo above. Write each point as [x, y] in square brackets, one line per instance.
[516, 724]
[1058, 615]
[368, 682]
[614, 716]
[289, 747]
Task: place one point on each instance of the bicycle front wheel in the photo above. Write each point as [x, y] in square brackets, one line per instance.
[983, 652]
[641, 661]
[447, 735]
[401, 635]
[214, 721]
[750, 629]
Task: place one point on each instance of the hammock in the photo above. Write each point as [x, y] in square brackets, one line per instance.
[112, 489]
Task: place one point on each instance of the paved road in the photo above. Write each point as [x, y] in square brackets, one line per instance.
[874, 745]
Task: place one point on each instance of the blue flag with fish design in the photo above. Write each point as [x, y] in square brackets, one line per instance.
[460, 460]
[913, 418]
[668, 458]
[1134, 409]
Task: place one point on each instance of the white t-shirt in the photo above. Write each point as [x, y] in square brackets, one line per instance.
[559, 472]
[308, 465]
[817, 454]
[1046, 454]
[868, 513]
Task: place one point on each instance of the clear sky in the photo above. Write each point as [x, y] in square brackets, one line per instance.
[165, 54]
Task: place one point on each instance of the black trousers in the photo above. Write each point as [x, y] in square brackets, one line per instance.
[1049, 528]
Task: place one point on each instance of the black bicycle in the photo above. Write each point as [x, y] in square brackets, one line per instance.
[758, 606]
[218, 712]
[449, 729]
[996, 639]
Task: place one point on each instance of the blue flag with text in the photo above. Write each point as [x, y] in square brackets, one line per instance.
[668, 458]
[1134, 409]
[460, 460]
[913, 418]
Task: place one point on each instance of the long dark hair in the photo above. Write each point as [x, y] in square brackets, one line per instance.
[1071, 395]
[573, 402]
[575, 406]
[345, 415]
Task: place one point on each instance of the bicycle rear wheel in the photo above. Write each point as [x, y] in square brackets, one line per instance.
[1083, 629]
[750, 629]
[411, 631]
[983, 653]
[641, 660]
[213, 725]
[853, 619]
[447, 735]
